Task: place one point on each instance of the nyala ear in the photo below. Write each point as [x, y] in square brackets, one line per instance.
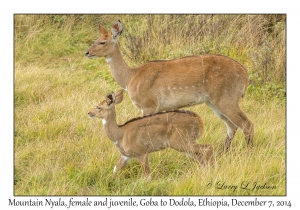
[116, 29]
[102, 29]
[110, 99]
[119, 97]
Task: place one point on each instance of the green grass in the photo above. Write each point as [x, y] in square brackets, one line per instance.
[58, 150]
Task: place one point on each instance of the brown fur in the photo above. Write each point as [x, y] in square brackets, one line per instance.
[216, 80]
[140, 136]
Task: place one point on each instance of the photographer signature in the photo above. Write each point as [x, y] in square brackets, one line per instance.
[245, 185]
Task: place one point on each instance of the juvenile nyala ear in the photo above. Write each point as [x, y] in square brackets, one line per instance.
[119, 97]
[116, 29]
[110, 98]
[102, 29]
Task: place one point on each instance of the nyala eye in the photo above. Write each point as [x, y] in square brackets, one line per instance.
[98, 107]
[102, 43]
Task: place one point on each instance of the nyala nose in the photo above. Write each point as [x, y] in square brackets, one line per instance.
[86, 53]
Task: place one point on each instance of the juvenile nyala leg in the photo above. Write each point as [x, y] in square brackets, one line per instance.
[203, 154]
[121, 163]
[144, 162]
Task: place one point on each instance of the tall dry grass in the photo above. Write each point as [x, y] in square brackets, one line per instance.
[257, 41]
[58, 150]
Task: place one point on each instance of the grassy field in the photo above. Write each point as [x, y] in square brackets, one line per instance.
[58, 150]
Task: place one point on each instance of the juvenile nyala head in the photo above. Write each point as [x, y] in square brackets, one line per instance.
[107, 106]
[104, 45]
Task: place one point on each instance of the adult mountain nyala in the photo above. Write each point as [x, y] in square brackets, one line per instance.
[164, 85]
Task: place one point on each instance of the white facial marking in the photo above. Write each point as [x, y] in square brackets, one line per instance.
[174, 88]
[104, 121]
[115, 169]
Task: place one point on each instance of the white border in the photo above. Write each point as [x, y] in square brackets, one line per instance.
[8, 8]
